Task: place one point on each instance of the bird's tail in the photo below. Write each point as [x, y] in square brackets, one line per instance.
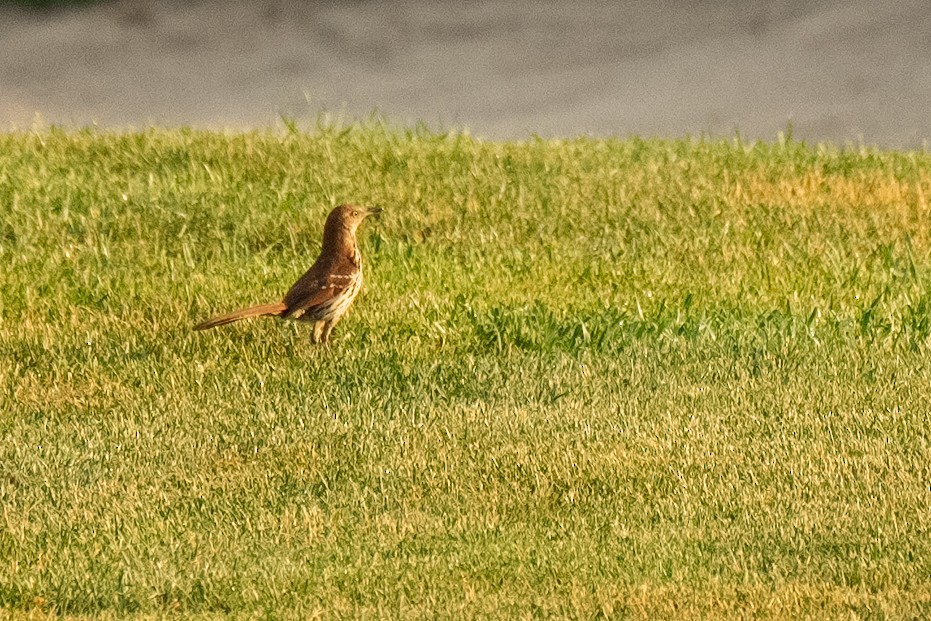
[254, 311]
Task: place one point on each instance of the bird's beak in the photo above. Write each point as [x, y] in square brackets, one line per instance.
[372, 211]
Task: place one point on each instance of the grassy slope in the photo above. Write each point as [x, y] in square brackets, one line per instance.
[631, 378]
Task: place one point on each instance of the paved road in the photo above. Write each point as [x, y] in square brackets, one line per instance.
[839, 70]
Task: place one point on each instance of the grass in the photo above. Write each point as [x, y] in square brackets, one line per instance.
[632, 379]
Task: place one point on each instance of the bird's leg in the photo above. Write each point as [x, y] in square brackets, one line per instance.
[317, 335]
[328, 329]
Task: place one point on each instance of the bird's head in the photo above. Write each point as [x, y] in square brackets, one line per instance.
[349, 217]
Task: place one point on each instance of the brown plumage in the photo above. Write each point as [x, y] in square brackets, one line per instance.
[325, 292]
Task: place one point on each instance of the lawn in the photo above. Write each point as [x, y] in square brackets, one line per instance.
[624, 378]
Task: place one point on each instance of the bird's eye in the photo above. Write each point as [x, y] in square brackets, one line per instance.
[355, 213]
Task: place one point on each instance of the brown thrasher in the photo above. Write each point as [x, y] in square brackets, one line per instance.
[324, 293]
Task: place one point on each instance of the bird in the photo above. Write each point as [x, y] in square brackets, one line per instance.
[326, 291]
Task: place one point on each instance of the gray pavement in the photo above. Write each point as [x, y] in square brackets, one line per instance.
[838, 70]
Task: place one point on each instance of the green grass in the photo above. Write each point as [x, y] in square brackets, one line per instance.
[632, 379]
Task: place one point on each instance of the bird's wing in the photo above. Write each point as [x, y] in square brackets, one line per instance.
[315, 288]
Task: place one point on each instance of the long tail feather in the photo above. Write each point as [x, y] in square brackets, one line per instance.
[255, 311]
